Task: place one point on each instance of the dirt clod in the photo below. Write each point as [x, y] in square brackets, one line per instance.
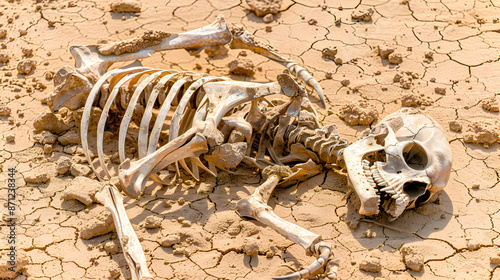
[329, 53]
[10, 138]
[384, 51]
[455, 126]
[484, 132]
[242, 66]
[440, 90]
[364, 15]
[170, 240]
[51, 122]
[125, 7]
[26, 66]
[370, 264]
[152, 222]
[82, 189]
[3, 33]
[361, 113]
[490, 104]
[395, 58]
[79, 170]
[4, 57]
[5, 111]
[148, 39]
[264, 7]
[268, 18]
[413, 259]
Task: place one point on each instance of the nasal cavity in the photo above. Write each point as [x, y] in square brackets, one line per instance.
[414, 189]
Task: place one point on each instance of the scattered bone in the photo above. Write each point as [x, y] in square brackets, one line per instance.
[264, 7]
[361, 113]
[26, 66]
[63, 165]
[490, 104]
[455, 126]
[364, 15]
[125, 7]
[4, 57]
[148, 39]
[152, 222]
[440, 90]
[97, 222]
[3, 33]
[370, 264]
[329, 53]
[268, 18]
[10, 269]
[82, 189]
[483, 133]
[384, 51]
[10, 138]
[395, 58]
[51, 122]
[413, 259]
[170, 240]
[242, 66]
[79, 170]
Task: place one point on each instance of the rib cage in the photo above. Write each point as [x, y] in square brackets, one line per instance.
[122, 90]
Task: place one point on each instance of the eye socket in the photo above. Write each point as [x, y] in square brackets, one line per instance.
[415, 156]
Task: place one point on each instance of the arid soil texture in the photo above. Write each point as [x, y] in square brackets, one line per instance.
[371, 58]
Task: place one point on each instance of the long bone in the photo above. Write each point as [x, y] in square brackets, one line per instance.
[131, 247]
[256, 207]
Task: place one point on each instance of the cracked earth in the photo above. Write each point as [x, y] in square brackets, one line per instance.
[439, 56]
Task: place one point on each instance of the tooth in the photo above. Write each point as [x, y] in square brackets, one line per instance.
[396, 196]
[388, 189]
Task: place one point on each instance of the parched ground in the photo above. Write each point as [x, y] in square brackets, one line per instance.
[450, 68]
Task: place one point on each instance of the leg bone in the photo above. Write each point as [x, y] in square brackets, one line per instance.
[132, 250]
[256, 207]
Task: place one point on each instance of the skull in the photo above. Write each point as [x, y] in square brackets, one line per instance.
[402, 162]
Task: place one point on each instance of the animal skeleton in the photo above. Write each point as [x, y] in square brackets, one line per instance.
[400, 163]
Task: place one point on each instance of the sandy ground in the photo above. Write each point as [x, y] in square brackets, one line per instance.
[450, 68]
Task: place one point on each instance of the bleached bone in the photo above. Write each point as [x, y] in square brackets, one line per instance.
[131, 247]
[90, 61]
[256, 207]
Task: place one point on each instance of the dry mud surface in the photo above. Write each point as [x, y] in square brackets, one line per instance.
[444, 59]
